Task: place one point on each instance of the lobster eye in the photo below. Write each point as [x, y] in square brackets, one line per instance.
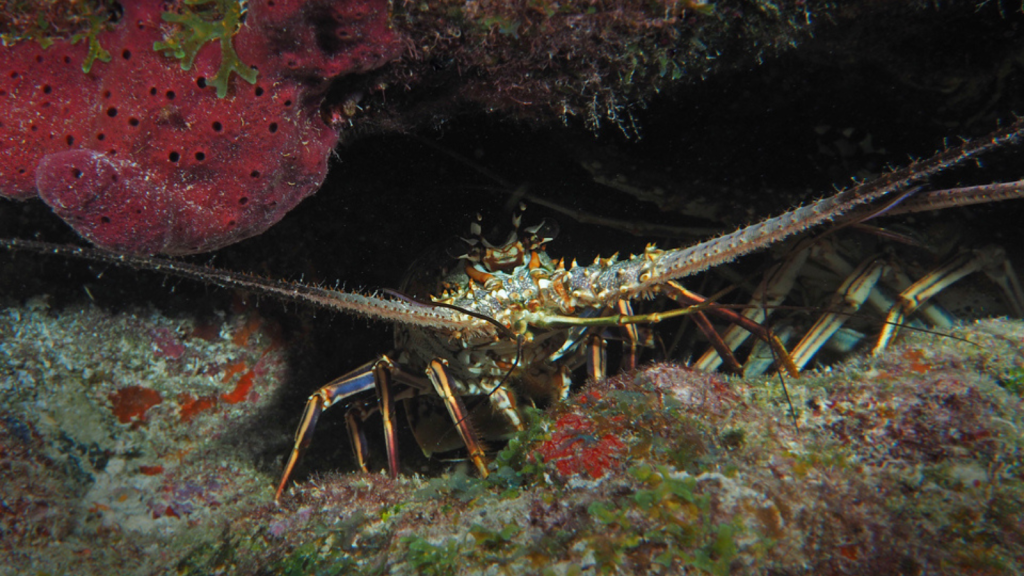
[543, 233]
[460, 248]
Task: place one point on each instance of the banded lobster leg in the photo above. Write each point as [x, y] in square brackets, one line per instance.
[765, 300]
[862, 285]
[444, 386]
[859, 285]
[847, 300]
[990, 259]
[380, 375]
[686, 297]
[597, 347]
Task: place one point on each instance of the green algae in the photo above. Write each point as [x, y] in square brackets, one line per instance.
[434, 559]
[97, 24]
[203, 21]
[46, 23]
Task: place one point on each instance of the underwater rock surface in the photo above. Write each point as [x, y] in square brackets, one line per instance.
[138, 443]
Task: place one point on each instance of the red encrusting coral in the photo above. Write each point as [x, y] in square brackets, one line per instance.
[189, 406]
[242, 388]
[130, 403]
[574, 449]
[138, 155]
[151, 470]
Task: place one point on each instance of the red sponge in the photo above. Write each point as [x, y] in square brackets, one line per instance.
[139, 155]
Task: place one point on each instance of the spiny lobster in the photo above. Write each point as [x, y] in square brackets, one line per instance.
[510, 324]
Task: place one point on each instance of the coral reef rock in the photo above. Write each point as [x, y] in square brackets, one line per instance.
[162, 456]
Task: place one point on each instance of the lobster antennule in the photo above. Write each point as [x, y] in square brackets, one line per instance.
[371, 306]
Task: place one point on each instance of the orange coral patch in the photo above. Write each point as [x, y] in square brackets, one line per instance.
[241, 389]
[848, 551]
[233, 369]
[132, 402]
[190, 406]
[916, 359]
[241, 338]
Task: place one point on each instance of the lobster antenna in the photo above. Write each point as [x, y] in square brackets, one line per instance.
[367, 305]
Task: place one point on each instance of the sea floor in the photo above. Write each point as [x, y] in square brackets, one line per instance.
[134, 443]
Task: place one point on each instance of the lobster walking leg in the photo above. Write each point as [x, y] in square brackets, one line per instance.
[680, 294]
[933, 283]
[380, 375]
[386, 398]
[770, 293]
[354, 417]
[732, 365]
[597, 357]
[440, 377]
[848, 299]
[597, 347]
[359, 380]
[632, 336]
